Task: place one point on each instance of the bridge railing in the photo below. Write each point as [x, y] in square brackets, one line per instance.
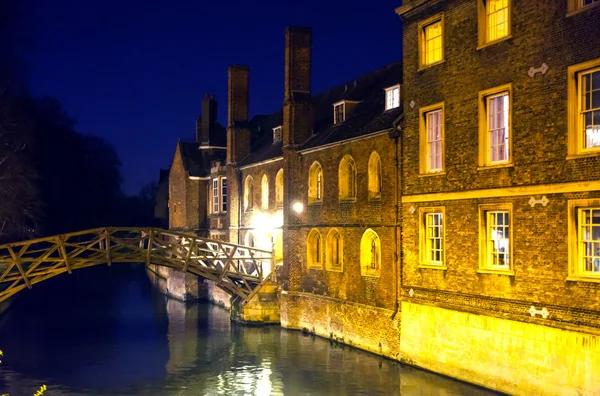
[237, 269]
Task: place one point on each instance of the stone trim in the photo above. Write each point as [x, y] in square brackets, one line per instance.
[566, 318]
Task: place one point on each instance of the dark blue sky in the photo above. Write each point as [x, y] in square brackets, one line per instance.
[135, 72]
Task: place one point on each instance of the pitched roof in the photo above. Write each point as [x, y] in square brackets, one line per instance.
[197, 162]
[368, 115]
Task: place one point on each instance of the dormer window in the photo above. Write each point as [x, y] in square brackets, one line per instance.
[392, 97]
[277, 133]
[339, 112]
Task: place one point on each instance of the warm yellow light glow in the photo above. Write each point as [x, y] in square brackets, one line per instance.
[298, 207]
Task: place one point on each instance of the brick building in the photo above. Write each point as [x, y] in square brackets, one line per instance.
[501, 192]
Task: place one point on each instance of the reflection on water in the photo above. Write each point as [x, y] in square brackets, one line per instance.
[107, 332]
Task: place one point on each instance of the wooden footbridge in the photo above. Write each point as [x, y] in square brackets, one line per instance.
[239, 270]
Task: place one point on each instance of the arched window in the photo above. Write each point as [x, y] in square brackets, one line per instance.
[370, 254]
[279, 189]
[334, 254]
[314, 249]
[264, 192]
[347, 178]
[315, 183]
[250, 240]
[374, 176]
[249, 193]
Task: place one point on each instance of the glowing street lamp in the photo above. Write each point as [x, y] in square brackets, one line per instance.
[298, 207]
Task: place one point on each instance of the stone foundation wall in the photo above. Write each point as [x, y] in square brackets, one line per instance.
[216, 295]
[262, 309]
[509, 356]
[362, 326]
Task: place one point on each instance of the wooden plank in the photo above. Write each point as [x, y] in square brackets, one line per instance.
[108, 247]
[189, 255]
[63, 253]
[18, 264]
[150, 242]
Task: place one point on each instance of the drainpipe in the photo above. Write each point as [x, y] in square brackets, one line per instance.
[397, 135]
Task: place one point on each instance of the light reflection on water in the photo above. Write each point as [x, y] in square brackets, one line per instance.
[126, 339]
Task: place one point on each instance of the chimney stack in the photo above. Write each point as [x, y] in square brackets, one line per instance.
[297, 103]
[238, 130]
[207, 121]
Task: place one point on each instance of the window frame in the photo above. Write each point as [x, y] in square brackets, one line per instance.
[264, 192]
[575, 138]
[277, 134]
[484, 253]
[482, 28]
[223, 183]
[424, 261]
[337, 105]
[215, 195]
[576, 272]
[347, 175]
[374, 161]
[484, 141]
[313, 251]
[423, 140]
[329, 253]
[279, 189]
[366, 269]
[248, 195]
[575, 7]
[315, 184]
[423, 45]
[391, 89]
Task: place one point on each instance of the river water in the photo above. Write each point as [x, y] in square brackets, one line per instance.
[108, 331]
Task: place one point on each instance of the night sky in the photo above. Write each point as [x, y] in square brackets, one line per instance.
[135, 72]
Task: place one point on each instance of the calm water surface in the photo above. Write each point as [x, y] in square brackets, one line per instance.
[107, 331]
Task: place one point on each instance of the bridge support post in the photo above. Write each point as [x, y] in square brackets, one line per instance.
[262, 309]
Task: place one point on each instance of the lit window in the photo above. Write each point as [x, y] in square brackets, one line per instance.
[314, 249]
[496, 251]
[495, 126]
[277, 133]
[334, 250]
[223, 194]
[370, 253]
[431, 37]
[432, 138]
[249, 194]
[392, 97]
[347, 178]
[339, 113]
[584, 238]
[279, 189]
[374, 176]
[589, 110]
[315, 183]
[496, 14]
[215, 195]
[432, 236]
[264, 192]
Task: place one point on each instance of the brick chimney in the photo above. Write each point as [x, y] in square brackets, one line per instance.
[238, 129]
[297, 103]
[205, 130]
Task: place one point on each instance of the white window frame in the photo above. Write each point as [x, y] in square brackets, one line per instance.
[425, 159]
[485, 141]
[277, 134]
[392, 94]
[428, 237]
[215, 195]
[336, 106]
[577, 270]
[488, 243]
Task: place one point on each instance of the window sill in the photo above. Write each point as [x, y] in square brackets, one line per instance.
[347, 200]
[315, 203]
[370, 276]
[433, 266]
[489, 44]
[583, 155]
[582, 9]
[375, 199]
[496, 272]
[498, 166]
[584, 278]
[315, 268]
[333, 269]
[440, 173]
[425, 67]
